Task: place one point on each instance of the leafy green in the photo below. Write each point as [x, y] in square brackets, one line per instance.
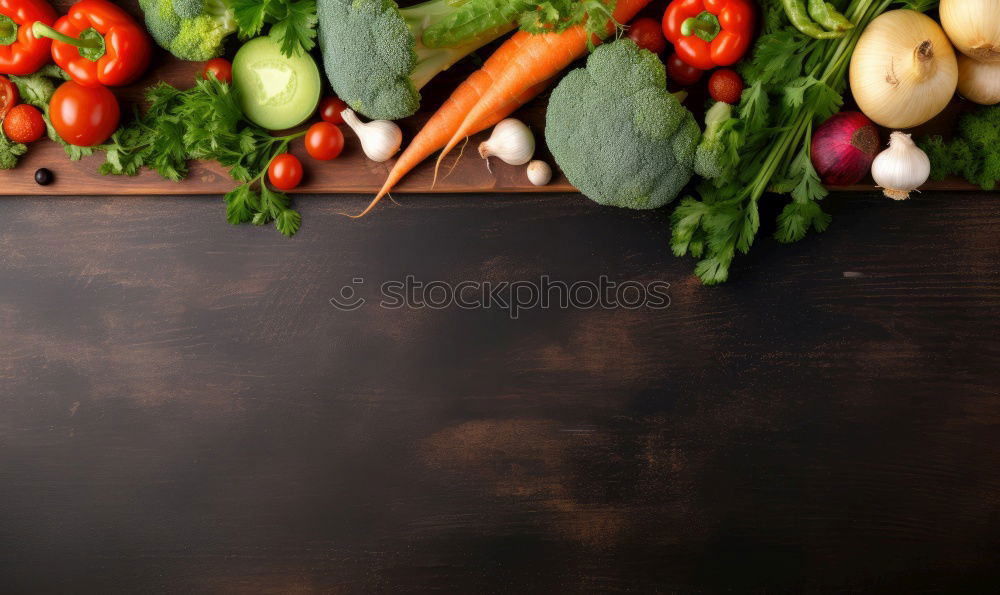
[197, 29]
[293, 22]
[548, 16]
[974, 153]
[794, 83]
[204, 122]
[10, 152]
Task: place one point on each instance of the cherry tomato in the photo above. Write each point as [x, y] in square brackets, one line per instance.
[647, 34]
[8, 96]
[24, 124]
[324, 141]
[330, 108]
[83, 116]
[285, 171]
[680, 72]
[221, 68]
[725, 85]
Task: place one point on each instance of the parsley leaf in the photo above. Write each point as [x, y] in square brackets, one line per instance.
[796, 219]
[204, 122]
[10, 152]
[793, 83]
[292, 22]
[973, 153]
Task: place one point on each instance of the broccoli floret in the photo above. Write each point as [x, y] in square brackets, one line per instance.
[974, 153]
[190, 29]
[718, 152]
[375, 56]
[616, 132]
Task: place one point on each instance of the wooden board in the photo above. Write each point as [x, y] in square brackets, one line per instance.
[352, 172]
[183, 411]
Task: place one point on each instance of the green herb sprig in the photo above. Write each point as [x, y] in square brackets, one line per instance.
[292, 22]
[973, 153]
[794, 84]
[205, 122]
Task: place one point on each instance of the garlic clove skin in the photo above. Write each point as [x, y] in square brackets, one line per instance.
[380, 139]
[902, 168]
[539, 173]
[511, 141]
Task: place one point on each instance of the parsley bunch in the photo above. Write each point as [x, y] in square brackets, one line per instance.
[794, 84]
[292, 22]
[974, 153]
[205, 122]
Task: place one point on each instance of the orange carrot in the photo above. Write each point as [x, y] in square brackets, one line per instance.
[525, 60]
[443, 123]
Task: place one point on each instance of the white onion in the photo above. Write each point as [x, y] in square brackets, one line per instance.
[979, 81]
[904, 71]
[974, 27]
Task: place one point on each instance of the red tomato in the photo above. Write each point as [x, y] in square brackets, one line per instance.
[647, 34]
[221, 68]
[324, 141]
[8, 96]
[285, 171]
[330, 108]
[83, 116]
[680, 72]
[24, 124]
[726, 86]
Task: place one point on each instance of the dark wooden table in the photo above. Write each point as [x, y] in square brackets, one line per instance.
[183, 410]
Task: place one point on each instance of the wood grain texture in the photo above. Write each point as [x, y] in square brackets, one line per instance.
[184, 411]
[350, 173]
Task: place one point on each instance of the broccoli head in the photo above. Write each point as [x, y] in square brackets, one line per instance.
[718, 152]
[375, 54]
[190, 29]
[616, 132]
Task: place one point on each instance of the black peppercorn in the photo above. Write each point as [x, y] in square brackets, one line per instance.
[43, 177]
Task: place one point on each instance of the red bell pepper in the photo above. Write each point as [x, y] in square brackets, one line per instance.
[21, 52]
[98, 43]
[710, 33]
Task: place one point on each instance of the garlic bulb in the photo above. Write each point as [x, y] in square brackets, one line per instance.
[903, 71]
[979, 81]
[380, 139]
[511, 142]
[902, 168]
[974, 27]
[539, 173]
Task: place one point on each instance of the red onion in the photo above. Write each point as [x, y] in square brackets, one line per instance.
[844, 147]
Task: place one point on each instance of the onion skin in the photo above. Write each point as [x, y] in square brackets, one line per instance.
[979, 82]
[903, 70]
[844, 147]
[974, 27]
